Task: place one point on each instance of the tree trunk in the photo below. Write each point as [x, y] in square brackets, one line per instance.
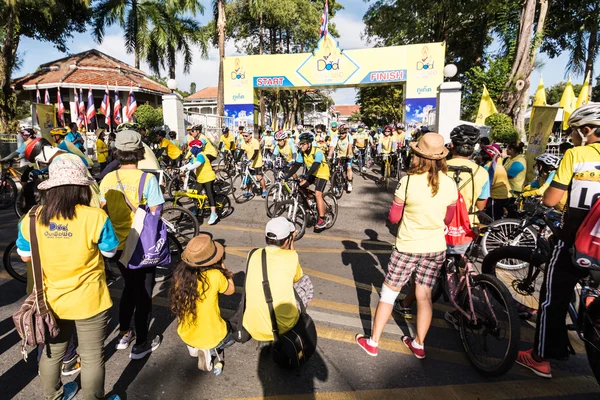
[221, 31]
[9, 51]
[294, 110]
[260, 51]
[172, 64]
[591, 55]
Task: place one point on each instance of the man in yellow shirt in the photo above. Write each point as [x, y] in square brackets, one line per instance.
[227, 141]
[283, 270]
[251, 147]
[173, 152]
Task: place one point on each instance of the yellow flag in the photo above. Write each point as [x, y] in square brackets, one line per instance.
[486, 107]
[541, 125]
[540, 94]
[585, 92]
[567, 103]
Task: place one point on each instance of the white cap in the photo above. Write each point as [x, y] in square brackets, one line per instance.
[279, 228]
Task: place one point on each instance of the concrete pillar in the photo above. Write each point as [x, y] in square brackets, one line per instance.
[172, 105]
[448, 108]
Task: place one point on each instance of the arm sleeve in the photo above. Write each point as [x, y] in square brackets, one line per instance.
[255, 155]
[193, 165]
[313, 168]
[515, 169]
[564, 174]
[293, 169]
[23, 245]
[152, 192]
[108, 242]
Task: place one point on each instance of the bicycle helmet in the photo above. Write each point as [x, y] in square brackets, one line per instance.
[197, 127]
[134, 126]
[464, 135]
[588, 114]
[35, 147]
[60, 131]
[281, 135]
[196, 147]
[27, 132]
[388, 128]
[550, 160]
[334, 124]
[343, 128]
[492, 150]
[172, 134]
[305, 137]
[225, 130]
[353, 130]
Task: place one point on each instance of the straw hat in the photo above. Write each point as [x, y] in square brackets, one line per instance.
[202, 251]
[66, 169]
[430, 146]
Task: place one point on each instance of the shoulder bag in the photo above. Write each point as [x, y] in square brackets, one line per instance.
[34, 321]
[240, 334]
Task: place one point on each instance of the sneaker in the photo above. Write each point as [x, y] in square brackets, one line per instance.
[247, 195]
[405, 312]
[71, 367]
[113, 397]
[125, 340]
[321, 223]
[218, 369]
[349, 189]
[204, 360]
[213, 218]
[264, 194]
[408, 342]
[540, 368]
[362, 341]
[140, 351]
[451, 319]
[70, 389]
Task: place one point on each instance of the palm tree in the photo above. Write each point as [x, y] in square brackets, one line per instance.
[256, 10]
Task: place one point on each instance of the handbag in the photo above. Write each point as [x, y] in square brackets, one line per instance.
[147, 244]
[295, 347]
[240, 334]
[34, 321]
[459, 231]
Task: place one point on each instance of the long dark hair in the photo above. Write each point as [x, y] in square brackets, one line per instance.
[517, 147]
[60, 202]
[422, 165]
[184, 293]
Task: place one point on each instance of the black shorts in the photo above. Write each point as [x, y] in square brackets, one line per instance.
[173, 163]
[256, 171]
[319, 183]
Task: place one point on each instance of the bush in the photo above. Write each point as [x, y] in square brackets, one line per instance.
[502, 129]
[148, 116]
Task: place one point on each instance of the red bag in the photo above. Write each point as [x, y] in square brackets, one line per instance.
[586, 249]
[459, 231]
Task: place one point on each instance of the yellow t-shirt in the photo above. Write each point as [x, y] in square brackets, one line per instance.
[315, 155]
[73, 267]
[387, 144]
[481, 178]
[283, 268]
[228, 142]
[500, 187]
[422, 225]
[101, 150]
[209, 329]
[268, 142]
[287, 151]
[517, 183]
[250, 148]
[172, 151]
[361, 139]
[209, 148]
[204, 173]
[399, 138]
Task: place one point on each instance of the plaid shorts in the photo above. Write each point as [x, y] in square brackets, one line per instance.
[425, 266]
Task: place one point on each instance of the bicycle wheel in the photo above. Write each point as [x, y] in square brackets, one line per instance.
[223, 185]
[174, 185]
[591, 333]
[491, 341]
[500, 233]
[337, 185]
[523, 284]
[484, 218]
[242, 189]
[300, 221]
[13, 263]
[223, 169]
[165, 271]
[275, 193]
[269, 177]
[224, 208]
[8, 193]
[181, 222]
[331, 209]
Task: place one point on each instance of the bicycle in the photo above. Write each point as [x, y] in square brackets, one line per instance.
[245, 184]
[201, 204]
[301, 208]
[279, 190]
[339, 179]
[584, 308]
[8, 187]
[387, 169]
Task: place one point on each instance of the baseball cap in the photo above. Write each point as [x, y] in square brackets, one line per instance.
[279, 228]
[128, 140]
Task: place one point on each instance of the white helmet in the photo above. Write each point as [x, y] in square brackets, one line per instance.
[588, 114]
[549, 159]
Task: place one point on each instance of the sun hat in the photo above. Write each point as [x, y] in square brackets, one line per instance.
[67, 169]
[279, 228]
[202, 251]
[430, 146]
[128, 140]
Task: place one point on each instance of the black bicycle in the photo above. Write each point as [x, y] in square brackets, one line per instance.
[339, 176]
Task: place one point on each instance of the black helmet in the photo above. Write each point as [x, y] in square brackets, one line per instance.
[306, 137]
[35, 147]
[465, 135]
[225, 130]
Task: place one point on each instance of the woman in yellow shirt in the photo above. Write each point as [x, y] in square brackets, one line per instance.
[516, 167]
[101, 151]
[500, 186]
[199, 279]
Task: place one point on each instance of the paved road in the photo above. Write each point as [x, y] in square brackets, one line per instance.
[346, 264]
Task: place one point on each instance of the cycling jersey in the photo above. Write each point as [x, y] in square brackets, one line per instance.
[250, 148]
[209, 148]
[315, 155]
[267, 142]
[204, 171]
[388, 145]
[361, 139]
[287, 151]
[228, 142]
[500, 187]
[172, 151]
[516, 170]
[341, 146]
[399, 138]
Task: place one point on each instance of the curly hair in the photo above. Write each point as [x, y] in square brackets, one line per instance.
[422, 165]
[189, 287]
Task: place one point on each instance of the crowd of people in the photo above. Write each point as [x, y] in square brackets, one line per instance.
[84, 224]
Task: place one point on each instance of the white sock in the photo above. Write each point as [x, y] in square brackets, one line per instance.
[417, 345]
[372, 343]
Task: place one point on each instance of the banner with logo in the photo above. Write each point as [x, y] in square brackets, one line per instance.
[541, 126]
[419, 67]
[46, 118]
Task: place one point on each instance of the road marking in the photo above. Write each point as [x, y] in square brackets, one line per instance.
[501, 390]
[316, 250]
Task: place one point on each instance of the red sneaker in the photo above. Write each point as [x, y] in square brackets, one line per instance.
[361, 340]
[419, 353]
[540, 368]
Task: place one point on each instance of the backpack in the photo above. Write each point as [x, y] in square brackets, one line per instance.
[586, 249]
[458, 231]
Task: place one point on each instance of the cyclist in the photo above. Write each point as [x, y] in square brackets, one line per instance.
[173, 158]
[251, 147]
[318, 172]
[544, 169]
[386, 146]
[573, 176]
[267, 142]
[173, 139]
[516, 167]
[500, 188]
[342, 146]
[209, 149]
[285, 148]
[227, 141]
[399, 135]
[58, 135]
[205, 176]
[333, 131]
[362, 140]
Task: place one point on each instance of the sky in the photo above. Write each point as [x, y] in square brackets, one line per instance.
[204, 71]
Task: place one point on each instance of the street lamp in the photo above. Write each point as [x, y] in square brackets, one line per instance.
[172, 85]
[450, 71]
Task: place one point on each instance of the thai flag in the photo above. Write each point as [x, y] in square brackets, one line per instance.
[117, 108]
[91, 110]
[131, 105]
[78, 120]
[332, 110]
[82, 117]
[105, 106]
[38, 98]
[60, 109]
[47, 98]
[325, 19]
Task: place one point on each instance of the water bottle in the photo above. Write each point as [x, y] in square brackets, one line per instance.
[218, 368]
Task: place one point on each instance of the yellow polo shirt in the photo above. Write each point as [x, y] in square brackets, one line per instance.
[250, 148]
[172, 151]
